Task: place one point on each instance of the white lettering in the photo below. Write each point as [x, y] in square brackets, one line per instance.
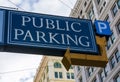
[42, 36]
[73, 27]
[25, 19]
[41, 22]
[28, 35]
[58, 27]
[52, 38]
[50, 24]
[102, 26]
[18, 32]
[73, 40]
[87, 43]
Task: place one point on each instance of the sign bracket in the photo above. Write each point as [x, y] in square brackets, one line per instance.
[99, 60]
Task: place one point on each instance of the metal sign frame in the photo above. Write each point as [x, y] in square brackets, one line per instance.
[99, 60]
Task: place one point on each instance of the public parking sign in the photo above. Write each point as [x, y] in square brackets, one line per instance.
[47, 32]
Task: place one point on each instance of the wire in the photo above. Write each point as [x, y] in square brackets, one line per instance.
[17, 70]
[16, 5]
[22, 70]
[65, 4]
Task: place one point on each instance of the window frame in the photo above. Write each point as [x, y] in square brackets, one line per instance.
[117, 56]
[60, 75]
[112, 64]
[98, 2]
[114, 10]
[80, 79]
[90, 71]
[72, 76]
[91, 13]
[118, 27]
[68, 75]
[115, 77]
[57, 65]
[112, 37]
[118, 3]
[102, 76]
[56, 75]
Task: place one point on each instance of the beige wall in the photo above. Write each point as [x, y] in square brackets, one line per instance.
[46, 70]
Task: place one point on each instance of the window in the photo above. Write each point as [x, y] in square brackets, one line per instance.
[72, 75]
[80, 79]
[117, 55]
[118, 3]
[56, 74]
[71, 67]
[112, 38]
[81, 12]
[112, 62]
[118, 27]
[57, 65]
[91, 13]
[104, 3]
[68, 75]
[102, 76]
[85, 4]
[94, 80]
[117, 78]
[101, 9]
[60, 75]
[90, 71]
[107, 19]
[98, 1]
[78, 68]
[109, 43]
[114, 10]
[106, 70]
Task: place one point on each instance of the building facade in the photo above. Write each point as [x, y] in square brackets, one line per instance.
[52, 70]
[107, 10]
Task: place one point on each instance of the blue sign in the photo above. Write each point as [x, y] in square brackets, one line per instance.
[52, 32]
[102, 27]
[2, 15]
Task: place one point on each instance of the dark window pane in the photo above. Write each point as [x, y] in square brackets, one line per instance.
[102, 76]
[56, 74]
[118, 27]
[118, 3]
[112, 62]
[114, 10]
[72, 75]
[57, 65]
[117, 78]
[60, 75]
[117, 54]
[68, 75]
[98, 1]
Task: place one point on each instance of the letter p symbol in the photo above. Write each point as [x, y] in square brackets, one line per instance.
[102, 27]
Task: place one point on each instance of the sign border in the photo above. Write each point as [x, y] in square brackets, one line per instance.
[3, 28]
[94, 46]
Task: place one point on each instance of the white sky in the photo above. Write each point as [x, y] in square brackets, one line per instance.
[16, 67]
